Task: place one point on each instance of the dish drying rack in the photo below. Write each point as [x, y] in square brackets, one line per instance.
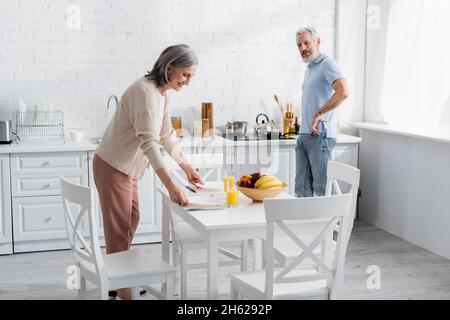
[39, 124]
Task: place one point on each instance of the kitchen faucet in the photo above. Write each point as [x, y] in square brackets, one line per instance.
[109, 100]
[107, 108]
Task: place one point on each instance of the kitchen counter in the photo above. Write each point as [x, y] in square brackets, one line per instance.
[419, 133]
[30, 171]
[30, 145]
[341, 139]
[404, 178]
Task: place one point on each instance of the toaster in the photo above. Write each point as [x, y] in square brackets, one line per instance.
[5, 132]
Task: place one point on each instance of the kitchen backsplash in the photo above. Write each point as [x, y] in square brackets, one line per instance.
[77, 53]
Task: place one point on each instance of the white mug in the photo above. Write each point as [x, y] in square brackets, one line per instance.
[76, 135]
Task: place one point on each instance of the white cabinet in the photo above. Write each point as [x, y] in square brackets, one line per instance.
[247, 159]
[346, 153]
[37, 212]
[269, 159]
[38, 185]
[280, 160]
[48, 162]
[31, 214]
[282, 165]
[149, 228]
[38, 218]
[5, 206]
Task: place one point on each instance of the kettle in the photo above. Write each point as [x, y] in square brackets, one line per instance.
[5, 132]
[263, 127]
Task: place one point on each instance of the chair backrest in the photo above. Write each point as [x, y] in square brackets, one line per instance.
[285, 213]
[339, 172]
[78, 204]
[210, 165]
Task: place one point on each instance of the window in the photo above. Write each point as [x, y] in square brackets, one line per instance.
[414, 90]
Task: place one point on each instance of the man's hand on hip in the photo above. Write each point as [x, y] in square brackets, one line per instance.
[315, 131]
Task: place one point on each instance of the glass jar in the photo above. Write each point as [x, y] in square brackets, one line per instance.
[205, 127]
[176, 125]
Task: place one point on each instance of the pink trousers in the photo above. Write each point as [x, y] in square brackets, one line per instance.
[119, 202]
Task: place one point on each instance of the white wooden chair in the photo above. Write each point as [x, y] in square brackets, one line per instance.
[184, 238]
[133, 268]
[339, 176]
[318, 280]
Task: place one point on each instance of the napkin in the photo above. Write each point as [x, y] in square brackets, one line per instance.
[208, 187]
[204, 203]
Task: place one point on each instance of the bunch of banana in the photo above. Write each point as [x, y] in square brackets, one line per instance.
[268, 182]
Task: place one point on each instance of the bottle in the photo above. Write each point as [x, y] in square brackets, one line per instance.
[231, 192]
[297, 126]
[228, 183]
[292, 130]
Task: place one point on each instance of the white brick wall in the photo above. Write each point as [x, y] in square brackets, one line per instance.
[246, 49]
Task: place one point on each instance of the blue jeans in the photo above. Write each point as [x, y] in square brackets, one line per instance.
[312, 154]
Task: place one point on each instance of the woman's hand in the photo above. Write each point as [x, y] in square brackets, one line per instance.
[177, 195]
[194, 178]
[191, 174]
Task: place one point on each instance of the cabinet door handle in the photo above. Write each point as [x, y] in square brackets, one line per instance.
[49, 219]
[47, 163]
[48, 185]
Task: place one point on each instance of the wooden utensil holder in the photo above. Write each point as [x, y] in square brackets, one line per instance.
[288, 121]
[208, 113]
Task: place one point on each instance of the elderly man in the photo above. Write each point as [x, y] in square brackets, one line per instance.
[324, 88]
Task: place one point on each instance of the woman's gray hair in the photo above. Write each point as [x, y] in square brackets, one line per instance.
[177, 56]
[311, 30]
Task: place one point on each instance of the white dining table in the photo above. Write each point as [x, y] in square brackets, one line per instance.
[244, 222]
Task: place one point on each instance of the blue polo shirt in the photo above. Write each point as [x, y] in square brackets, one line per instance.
[319, 76]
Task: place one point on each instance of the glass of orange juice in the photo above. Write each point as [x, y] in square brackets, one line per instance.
[232, 198]
[231, 191]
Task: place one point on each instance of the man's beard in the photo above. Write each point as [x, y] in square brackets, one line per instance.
[313, 56]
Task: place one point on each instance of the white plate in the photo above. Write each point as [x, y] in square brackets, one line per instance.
[202, 201]
[210, 187]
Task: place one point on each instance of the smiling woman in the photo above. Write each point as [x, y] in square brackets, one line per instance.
[131, 144]
[175, 67]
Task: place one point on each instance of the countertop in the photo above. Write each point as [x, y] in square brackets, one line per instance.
[32, 145]
[432, 135]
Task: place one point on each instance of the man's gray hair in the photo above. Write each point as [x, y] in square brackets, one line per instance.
[177, 56]
[311, 30]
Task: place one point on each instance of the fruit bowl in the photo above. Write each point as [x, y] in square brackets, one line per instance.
[258, 195]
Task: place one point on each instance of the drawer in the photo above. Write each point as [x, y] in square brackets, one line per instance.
[39, 185]
[347, 154]
[39, 163]
[39, 218]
